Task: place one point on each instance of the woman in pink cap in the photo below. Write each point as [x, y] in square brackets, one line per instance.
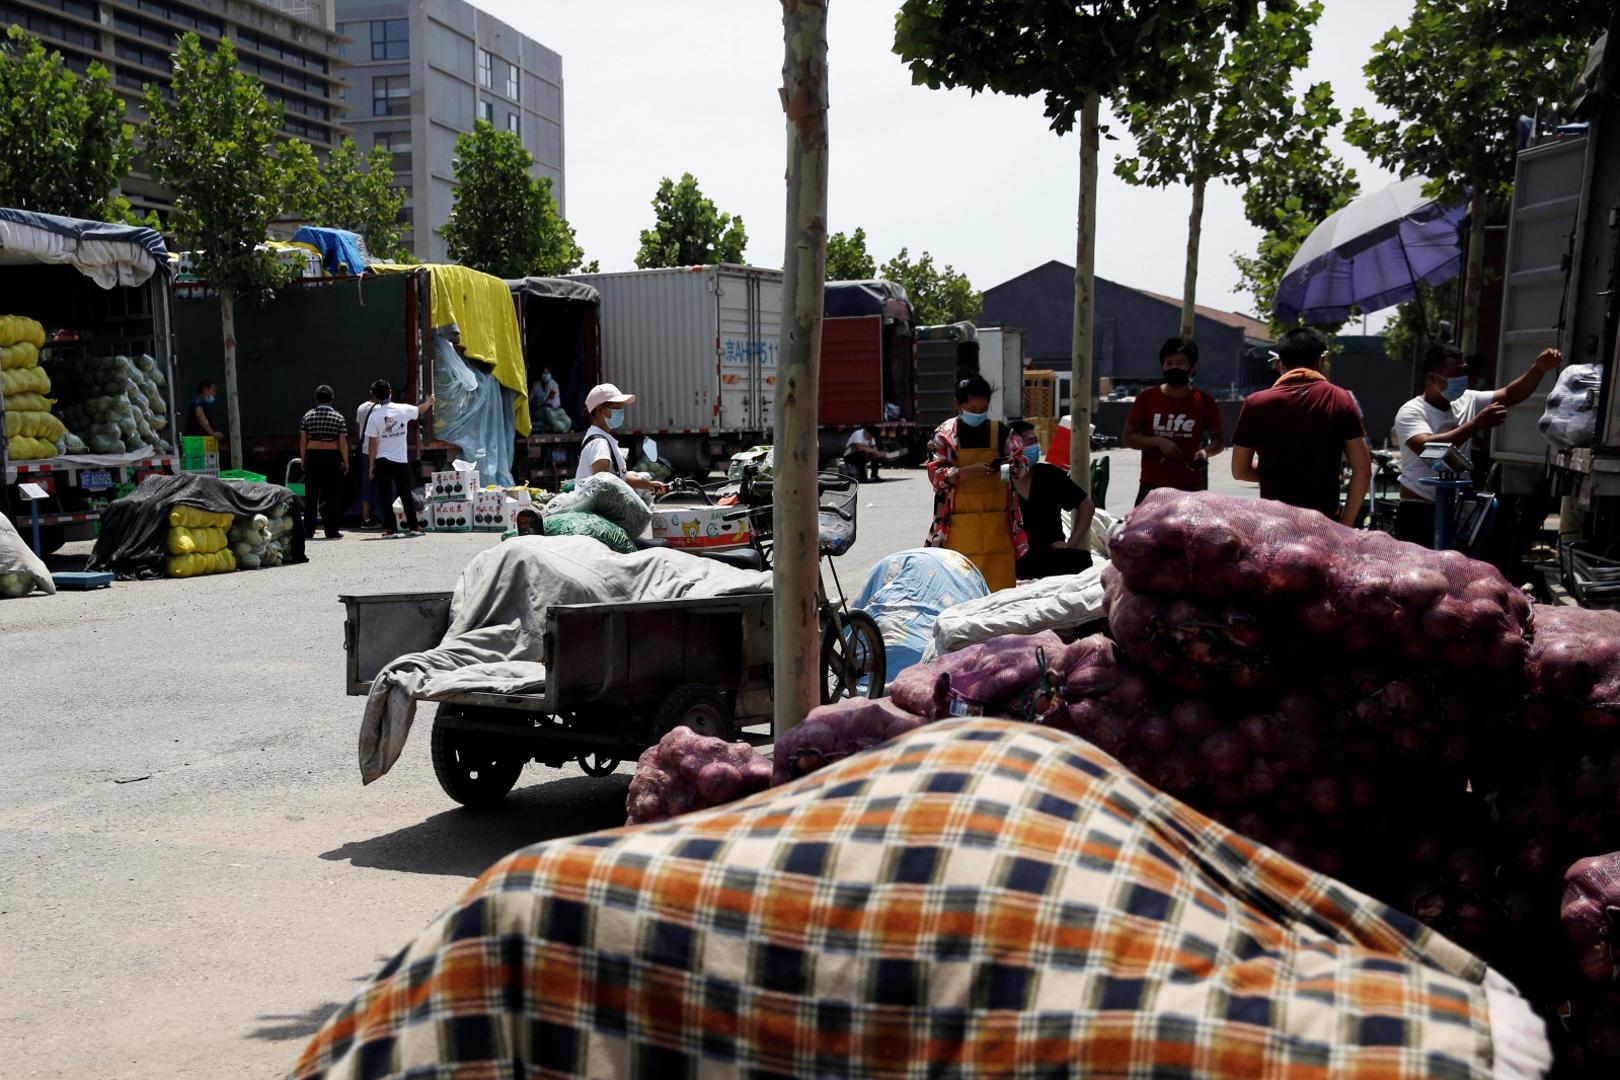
[600, 451]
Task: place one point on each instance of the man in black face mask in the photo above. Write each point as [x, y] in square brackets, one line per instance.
[1177, 428]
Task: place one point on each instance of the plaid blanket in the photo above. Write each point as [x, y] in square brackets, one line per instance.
[975, 897]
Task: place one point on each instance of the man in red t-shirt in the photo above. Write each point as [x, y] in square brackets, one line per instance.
[1169, 423]
[1302, 428]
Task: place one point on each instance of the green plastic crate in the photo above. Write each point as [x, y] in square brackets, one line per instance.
[242, 474]
[296, 489]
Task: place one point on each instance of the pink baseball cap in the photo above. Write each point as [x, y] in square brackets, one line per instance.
[607, 394]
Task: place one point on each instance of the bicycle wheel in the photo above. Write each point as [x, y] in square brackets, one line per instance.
[853, 662]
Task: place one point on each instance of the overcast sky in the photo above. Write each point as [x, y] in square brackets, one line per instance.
[654, 89]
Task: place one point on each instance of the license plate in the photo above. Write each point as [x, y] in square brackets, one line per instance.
[95, 480]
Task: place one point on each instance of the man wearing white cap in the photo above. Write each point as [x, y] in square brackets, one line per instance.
[600, 451]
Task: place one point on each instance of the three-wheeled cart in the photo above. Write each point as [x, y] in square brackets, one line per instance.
[618, 677]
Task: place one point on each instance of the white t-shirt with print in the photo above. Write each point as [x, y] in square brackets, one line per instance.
[594, 450]
[390, 423]
[1418, 417]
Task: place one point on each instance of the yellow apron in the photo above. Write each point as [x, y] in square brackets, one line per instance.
[980, 528]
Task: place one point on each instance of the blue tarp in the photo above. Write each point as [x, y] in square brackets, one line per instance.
[906, 592]
[342, 253]
[473, 411]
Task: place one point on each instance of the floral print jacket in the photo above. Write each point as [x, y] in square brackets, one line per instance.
[943, 474]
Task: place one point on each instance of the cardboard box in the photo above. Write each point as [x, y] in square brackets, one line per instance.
[452, 516]
[455, 485]
[489, 511]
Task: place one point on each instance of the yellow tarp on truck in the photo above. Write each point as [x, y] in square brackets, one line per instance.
[479, 307]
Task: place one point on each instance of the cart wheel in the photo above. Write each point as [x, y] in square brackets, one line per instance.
[853, 662]
[697, 707]
[470, 770]
[597, 763]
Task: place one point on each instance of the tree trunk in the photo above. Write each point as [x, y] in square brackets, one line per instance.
[1195, 233]
[1474, 279]
[233, 403]
[797, 644]
[1085, 275]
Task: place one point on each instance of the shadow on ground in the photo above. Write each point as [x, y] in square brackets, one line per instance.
[462, 842]
[284, 1028]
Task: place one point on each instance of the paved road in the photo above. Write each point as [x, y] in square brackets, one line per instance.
[191, 874]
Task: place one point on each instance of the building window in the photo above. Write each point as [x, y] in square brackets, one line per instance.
[340, 48]
[486, 70]
[513, 80]
[512, 123]
[47, 26]
[391, 95]
[390, 39]
[486, 111]
[399, 143]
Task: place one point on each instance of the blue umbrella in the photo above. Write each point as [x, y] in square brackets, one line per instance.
[1371, 255]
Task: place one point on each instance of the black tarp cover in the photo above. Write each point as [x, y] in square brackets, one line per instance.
[135, 529]
[851, 299]
[551, 288]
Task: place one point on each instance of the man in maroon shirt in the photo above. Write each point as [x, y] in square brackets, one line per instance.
[1301, 428]
[1169, 422]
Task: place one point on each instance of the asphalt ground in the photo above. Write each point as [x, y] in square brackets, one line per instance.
[192, 876]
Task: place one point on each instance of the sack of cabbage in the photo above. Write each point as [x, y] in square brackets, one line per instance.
[21, 571]
[262, 540]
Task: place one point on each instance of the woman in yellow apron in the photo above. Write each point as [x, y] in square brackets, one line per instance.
[975, 510]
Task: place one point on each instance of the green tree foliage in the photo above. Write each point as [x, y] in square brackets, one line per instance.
[505, 221]
[340, 194]
[1293, 187]
[1072, 54]
[689, 230]
[938, 296]
[1238, 98]
[64, 144]
[848, 259]
[1413, 324]
[212, 142]
[1457, 87]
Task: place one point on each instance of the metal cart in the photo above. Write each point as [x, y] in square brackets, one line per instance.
[618, 677]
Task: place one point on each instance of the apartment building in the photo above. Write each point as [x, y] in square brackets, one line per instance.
[421, 72]
[291, 45]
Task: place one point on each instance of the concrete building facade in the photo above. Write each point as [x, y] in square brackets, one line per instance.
[420, 73]
[290, 45]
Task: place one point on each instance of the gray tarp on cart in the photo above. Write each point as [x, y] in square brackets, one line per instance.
[495, 642]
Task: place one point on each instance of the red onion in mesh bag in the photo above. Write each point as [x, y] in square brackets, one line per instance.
[1000, 677]
[1591, 915]
[687, 771]
[833, 732]
[1303, 576]
[1574, 665]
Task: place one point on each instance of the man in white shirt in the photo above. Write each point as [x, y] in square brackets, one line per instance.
[600, 451]
[861, 452]
[388, 445]
[1448, 412]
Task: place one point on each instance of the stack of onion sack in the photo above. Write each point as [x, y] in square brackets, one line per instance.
[1298, 773]
[197, 543]
[31, 431]
[1553, 782]
[1217, 595]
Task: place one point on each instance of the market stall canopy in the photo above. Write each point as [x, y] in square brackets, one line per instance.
[105, 253]
[1371, 255]
[553, 288]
